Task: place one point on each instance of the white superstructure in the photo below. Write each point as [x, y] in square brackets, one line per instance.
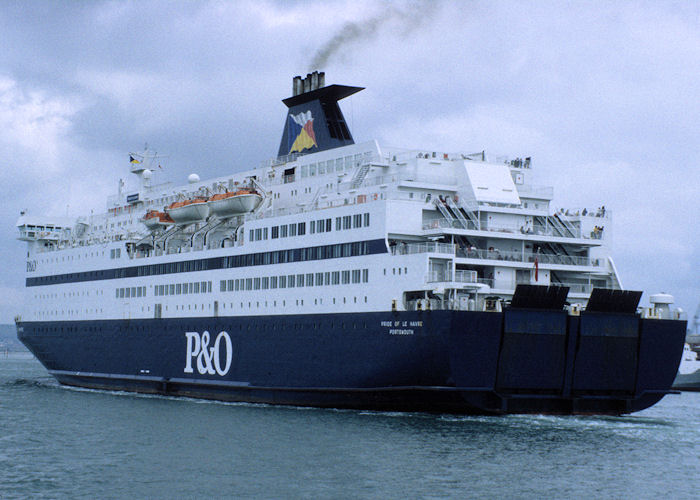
[351, 229]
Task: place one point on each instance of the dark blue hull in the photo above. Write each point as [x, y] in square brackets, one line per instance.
[519, 361]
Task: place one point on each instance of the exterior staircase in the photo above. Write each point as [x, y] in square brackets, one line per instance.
[359, 176]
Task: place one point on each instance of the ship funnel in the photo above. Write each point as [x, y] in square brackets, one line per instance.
[313, 81]
[314, 120]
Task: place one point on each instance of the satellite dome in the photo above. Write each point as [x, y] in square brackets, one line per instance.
[147, 174]
[192, 178]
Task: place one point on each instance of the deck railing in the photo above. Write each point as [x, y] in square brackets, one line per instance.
[541, 258]
[459, 276]
[427, 247]
[506, 228]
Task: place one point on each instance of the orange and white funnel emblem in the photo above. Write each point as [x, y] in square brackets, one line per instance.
[301, 126]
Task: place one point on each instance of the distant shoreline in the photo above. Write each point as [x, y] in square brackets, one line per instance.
[9, 342]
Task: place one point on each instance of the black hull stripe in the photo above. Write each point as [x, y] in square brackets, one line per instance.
[245, 385]
[322, 252]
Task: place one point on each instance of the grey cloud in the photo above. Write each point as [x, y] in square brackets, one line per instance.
[574, 85]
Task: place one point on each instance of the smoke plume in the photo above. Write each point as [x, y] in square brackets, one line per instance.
[405, 19]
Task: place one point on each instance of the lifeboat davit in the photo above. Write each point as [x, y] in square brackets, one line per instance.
[155, 219]
[188, 211]
[234, 202]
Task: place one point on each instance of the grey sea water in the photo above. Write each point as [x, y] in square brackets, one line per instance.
[57, 442]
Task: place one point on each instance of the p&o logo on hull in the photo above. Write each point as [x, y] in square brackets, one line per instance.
[208, 358]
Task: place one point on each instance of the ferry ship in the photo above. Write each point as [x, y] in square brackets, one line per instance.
[347, 275]
[688, 378]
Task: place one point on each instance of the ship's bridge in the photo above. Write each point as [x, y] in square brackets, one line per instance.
[36, 228]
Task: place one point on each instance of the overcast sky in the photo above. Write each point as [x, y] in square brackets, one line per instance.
[604, 96]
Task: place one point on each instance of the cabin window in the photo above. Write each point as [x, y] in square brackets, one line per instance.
[357, 220]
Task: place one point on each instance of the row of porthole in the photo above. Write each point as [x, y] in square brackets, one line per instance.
[298, 302]
[84, 293]
[70, 257]
[70, 312]
[190, 307]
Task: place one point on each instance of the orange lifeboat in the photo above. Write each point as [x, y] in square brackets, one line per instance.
[188, 211]
[155, 219]
[234, 203]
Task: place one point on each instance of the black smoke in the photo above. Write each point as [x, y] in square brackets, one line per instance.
[404, 19]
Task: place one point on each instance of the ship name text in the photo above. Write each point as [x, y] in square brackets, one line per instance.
[401, 327]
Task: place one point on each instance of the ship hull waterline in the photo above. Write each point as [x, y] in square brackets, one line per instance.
[518, 361]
